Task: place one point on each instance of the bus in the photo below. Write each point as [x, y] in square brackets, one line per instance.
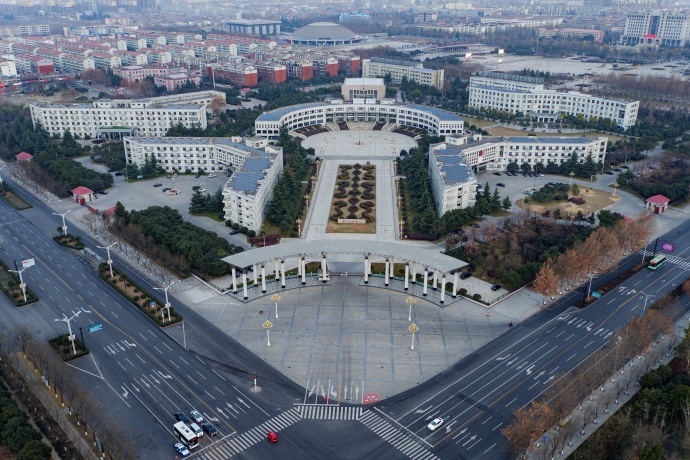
[186, 435]
[657, 262]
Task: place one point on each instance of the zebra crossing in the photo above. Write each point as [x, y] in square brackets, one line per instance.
[234, 445]
[319, 412]
[680, 262]
[397, 438]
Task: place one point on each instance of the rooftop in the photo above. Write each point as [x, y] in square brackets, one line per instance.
[277, 114]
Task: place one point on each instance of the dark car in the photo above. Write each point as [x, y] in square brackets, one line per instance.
[118, 173]
[157, 184]
[495, 287]
[103, 192]
[196, 187]
[497, 174]
[530, 174]
[618, 169]
[111, 170]
[234, 232]
[180, 417]
[196, 176]
[625, 167]
[166, 189]
[610, 173]
[209, 429]
[501, 184]
[465, 275]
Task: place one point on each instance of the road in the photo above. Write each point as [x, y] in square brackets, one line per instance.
[477, 397]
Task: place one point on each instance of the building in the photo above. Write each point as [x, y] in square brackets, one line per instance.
[176, 80]
[138, 73]
[355, 17]
[665, 28]
[452, 163]
[370, 89]
[253, 27]
[598, 35]
[514, 93]
[270, 72]
[25, 30]
[324, 34]
[434, 120]
[125, 117]
[242, 75]
[397, 69]
[8, 68]
[256, 167]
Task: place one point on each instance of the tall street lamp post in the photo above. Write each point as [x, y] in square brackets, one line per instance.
[410, 301]
[646, 298]
[275, 298]
[402, 227]
[64, 225]
[571, 178]
[167, 302]
[615, 187]
[299, 227]
[413, 328]
[267, 325]
[67, 320]
[110, 261]
[306, 198]
[22, 285]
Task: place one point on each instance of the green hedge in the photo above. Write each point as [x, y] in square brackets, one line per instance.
[78, 244]
[63, 347]
[17, 433]
[19, 300]
[104, 273]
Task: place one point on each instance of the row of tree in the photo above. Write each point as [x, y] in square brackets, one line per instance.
[201, 203]
[17, 433]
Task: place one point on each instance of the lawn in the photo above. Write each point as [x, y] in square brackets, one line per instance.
[15, 201]
[353, 199]
[595, 201]
[477, 122]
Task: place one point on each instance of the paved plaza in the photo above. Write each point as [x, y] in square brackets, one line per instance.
[363, 144]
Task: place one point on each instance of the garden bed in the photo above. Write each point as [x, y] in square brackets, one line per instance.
[137, 296]
[15, 201]
[354, 198]
[9, 283]
[63, 347]
[613, 283]
[69, 241]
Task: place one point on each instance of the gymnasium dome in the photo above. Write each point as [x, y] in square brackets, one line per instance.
[319, 31]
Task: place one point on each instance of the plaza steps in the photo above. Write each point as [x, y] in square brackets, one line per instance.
[333, 126]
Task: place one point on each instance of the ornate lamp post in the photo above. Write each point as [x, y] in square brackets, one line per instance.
[413, 328]
[397, 183]
[402, 226]
[267, 325]
[313, 182]
[410, 301]
[399, 202]
[275, 298]
[306, 198]
[571, 178]
[299, 227]
[317, 163]
[615, 187]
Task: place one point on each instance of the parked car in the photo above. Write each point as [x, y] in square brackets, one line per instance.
[465, 275]
[435, 424]
[211, 175]
[495, 287]
[625, 167]
[209, 429]
[202, 190]
[102, 192]
[181, 449]
[166, 189]
[501, 184]
[497, 174]
[180, 417]
[196, 416]
[272, 436]
[196, 187]
[610, 173]
[196, 176]
[157, 184]
[234, 232]
[118, 173]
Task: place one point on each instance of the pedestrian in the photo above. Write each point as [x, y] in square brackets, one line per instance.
[487, 314]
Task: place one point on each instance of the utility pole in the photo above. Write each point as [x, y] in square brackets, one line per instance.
[110, 261]
[167, 303]
[64, 225]
[69, 326]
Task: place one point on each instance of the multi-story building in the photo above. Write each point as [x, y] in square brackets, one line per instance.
[253, 27]
[25, 30]
[142, 117]
[270, 72]
[176, 80]
[8, 68]
[397, 69]
[452, 163]
[665, 28]
[138, 73]
[242, 75]
[372, 89]
[513, 93]
[256, 167]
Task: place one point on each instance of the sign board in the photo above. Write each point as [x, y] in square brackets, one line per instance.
[28, 263]
[352, 221]
[370, 398]
[152, 304]
[596, 294]
[95, 327]
[666, 246]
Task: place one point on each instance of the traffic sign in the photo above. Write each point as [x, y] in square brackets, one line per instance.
[666, 246]
[95, 327]
[26, 263]
[596, 294]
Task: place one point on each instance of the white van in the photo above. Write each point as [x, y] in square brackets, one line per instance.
[196, 429]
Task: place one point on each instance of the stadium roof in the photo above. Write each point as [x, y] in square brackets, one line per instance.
[275, 115]
[323, 31]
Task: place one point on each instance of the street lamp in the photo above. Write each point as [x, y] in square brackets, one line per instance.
[646, 298]
[571, 178]
[299, 227]
[402, 226]
[306, 198]
[167, 303]
[69, 326]
[589, 289]
[313, 181]
[267, 325]
[64, 225]
[410, 301]
[21, 279]
[399, 202]
[317, 163]
[413, 328]
[275, 298]
[644, 253]
[615, 186]
[110, 261]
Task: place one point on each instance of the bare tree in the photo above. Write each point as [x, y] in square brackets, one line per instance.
[23, 336]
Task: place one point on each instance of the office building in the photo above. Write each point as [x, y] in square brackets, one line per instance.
[665, 28]
[370, 89]
[253, 27]
[397, 69]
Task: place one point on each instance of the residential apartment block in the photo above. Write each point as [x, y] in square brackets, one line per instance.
[452, 163]
[256, 167]
[151, 117]
[397, 69]
[665, 28]
[514, 93]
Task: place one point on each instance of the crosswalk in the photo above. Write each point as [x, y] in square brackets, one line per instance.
[682, 263]
[397, 438]
[235, 445]
[319, 412]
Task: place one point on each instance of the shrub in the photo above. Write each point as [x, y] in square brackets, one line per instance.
[235, 226]
[228, 223]
[462, 291]
[136, 297]
[244, 230]
[251, 233]
[577, 200]
[477, 296]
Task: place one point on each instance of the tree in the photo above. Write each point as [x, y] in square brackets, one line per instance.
[198, 203]
[216, 104]
[34, 450]
[547, 280]
[506, 204]
[528, 425]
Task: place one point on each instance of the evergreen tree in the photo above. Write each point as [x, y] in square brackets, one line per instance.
[198, 203]
[506, 204]
[496, 200]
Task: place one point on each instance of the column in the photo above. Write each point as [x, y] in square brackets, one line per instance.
[455, 284]
[299, 266]
[385, 279]
[282, 274]
[263, 278]
[366, 269]
[244, 285]
[277, 277]
[324, 273]
[426, 279]
[443, 288]
[407, 275]
[414, 272]
[391, 272]
[255, 275]
[435, 280]
[304, 271]
[234, 280]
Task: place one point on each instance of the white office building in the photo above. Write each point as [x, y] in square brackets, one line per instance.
[256, 167]
[514, 93]
[665, 28]
[150, 117]
[397, 69]
[452, 163]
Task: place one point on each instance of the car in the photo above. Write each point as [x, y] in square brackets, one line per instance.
[465, 275]
[501, 184]
[202, 190]
[157, 184]
[102, 192]
[497, 174]
[211, 175]
[209, 429]
[234, 232]
[495, 287]
[625, 167]
[180, 417]
[552, 184]
[196, 176]
[524, 174]
[196, 429]
[530, 174]
[196, 187]
[166, 189]
[181, 449]
[169, 176]
[618, 169]
[196, 416]
[272, 436]
[435, 424]
[98, 141]
[118, 173]
[540, 175]
[610, 173]
[111, 170]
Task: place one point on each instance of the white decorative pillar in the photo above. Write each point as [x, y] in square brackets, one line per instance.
[277, 277]
[255, 275]
[414, 272]
[244, 286]
[304, 271]
[391, 272]
[385, 279]
[455, 284]
[426, 280]
[324, 273]
[366, 269]
[234, 280]
[435, 280]
[263, 278]
[299, 266]
[443, 288]
[407, 275]
[282, 274]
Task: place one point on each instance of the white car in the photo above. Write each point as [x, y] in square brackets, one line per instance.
[435, 424]
[211, 175]
[196, 416]
[181, 449]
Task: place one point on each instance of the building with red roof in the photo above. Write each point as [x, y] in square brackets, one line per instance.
[23, 156]
[658, 202]
[83, 194]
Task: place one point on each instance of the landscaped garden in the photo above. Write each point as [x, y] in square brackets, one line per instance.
[15, 201]
[561, 201]
[353, 207]
[69, 241]
[9, 283]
